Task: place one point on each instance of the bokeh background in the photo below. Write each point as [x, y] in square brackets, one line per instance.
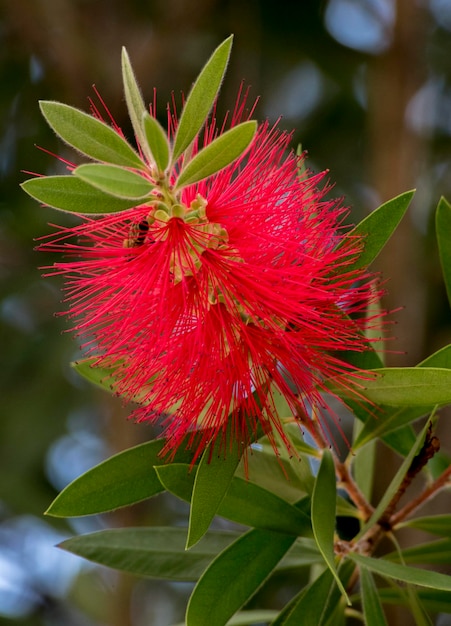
[366, 86]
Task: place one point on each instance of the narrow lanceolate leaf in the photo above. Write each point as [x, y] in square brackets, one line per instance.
[154, 552]
[235, 576]
[213, 477]
[418, 612]
[363, 463]
[201, 97]
[89, 135]
[287, 478]
[434, 524]
[372, 607]
[304, 553]
[379, 226]
[402, 440]
[157, 141]
[244, 502]
[413, 575]
[395, 483]
[388, 424]
[315, 604]
[416, 607]
[134, 100]
[391, 419]
[324, 500]
[70, 193]
[309, 604]
[247, 618]
[121, 480]
[107, 377]
[406, 386]
[431, 599]
[217, 155]
[102, 377]
[432, 552]
[115, 181]
[443, 230]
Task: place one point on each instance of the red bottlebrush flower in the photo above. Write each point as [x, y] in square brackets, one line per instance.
[218, 273]
[242, 286]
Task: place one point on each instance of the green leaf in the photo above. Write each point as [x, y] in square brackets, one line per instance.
[338, 616]
[395, 483]
[89, 135]
[386, 423]
[309, 604]
[434, 524]
[412, 575]
[324, 500]
[135, 103]
[201, 97]
[432, 599]
[433, 552]
[114, 180]
[213, 477]
[235, 576]
[121, 480]
[287, 478]
[303, 554]
[70, 193]
[406, 386]
[246, 618]
[154, 552]
[392, 419]
[401, 440]
[378, 227]
[372, 608]
[314, 605]
[363, 463]
[346, 509]
[100, 376]
[218, 154]
[443, 230]
[244, 502]
[106, 377]
[415, 606]
[157, 141]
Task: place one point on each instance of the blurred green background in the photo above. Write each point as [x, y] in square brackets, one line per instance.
[366, 86]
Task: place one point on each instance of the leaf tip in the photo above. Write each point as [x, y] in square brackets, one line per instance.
[62, 545]
[124, 55]
[191, 542]
[50, 513]
[46, 105]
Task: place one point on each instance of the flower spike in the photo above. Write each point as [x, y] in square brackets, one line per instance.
[212, 283]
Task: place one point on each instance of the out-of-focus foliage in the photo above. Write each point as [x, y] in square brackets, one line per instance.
[367, 87]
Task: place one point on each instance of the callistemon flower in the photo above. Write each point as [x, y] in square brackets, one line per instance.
[205, 298]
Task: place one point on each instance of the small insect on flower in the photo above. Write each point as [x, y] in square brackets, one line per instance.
[137, 234]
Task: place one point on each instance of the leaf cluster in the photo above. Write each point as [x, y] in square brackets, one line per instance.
[122, 177]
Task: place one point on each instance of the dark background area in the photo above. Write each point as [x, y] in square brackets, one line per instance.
[366, 86]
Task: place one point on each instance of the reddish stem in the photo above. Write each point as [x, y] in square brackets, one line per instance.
[422, 498]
